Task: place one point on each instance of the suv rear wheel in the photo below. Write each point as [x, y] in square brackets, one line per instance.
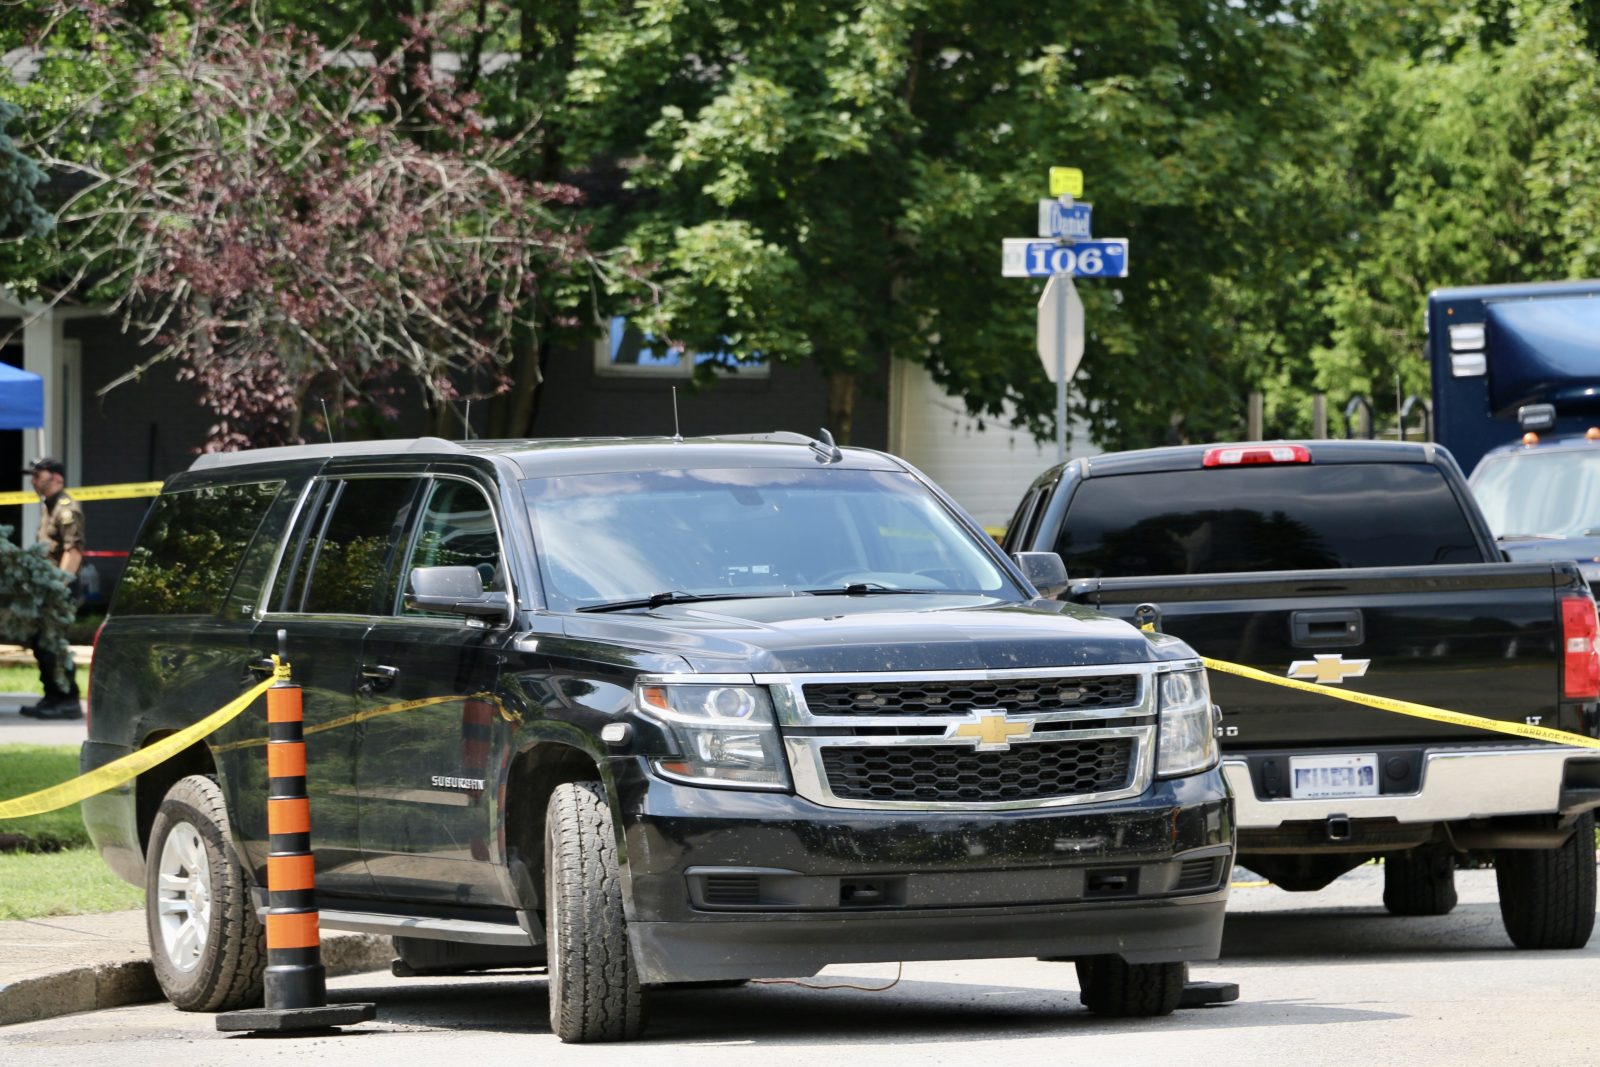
[594, 986]
[1547, 895]
[1115, 988]
[1419, 882]
[206, 944]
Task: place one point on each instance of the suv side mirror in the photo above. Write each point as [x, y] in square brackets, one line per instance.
[1045, 570]
[456, 591]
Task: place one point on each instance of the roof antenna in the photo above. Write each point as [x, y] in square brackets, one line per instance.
[677, 434]
[326, 423]
[826, 450]
[466, 422]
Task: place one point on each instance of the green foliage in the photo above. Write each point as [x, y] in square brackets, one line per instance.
[20, 213]
[1475, 162]
[35, 600]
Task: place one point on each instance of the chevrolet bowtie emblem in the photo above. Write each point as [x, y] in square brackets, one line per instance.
[1330, 670]
[991, 730]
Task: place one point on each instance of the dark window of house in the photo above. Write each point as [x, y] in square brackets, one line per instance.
[189, 549]
[339, 562]
[457, 530]
[1265, 519]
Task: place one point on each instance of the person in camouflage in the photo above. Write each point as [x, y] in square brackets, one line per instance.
[61, 529]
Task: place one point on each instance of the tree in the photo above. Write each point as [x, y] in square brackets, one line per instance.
[289, 222]
[20, 213]
[831, 181]
[1473, 159]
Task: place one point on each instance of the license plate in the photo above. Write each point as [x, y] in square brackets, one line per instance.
[1326, 777]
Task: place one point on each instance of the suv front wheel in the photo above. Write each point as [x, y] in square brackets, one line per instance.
[1112, 987]
[206, 945]
[594, 986]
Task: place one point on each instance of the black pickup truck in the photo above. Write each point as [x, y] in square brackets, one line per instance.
[1364, 566]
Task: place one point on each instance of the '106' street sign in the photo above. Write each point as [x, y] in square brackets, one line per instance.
[1023, 257]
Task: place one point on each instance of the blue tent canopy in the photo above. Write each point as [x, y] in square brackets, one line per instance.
[21, 399]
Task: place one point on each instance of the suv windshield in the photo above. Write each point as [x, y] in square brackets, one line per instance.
[1550, 494]
[606, 538]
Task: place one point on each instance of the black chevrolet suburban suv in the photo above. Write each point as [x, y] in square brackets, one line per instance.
[650, 712]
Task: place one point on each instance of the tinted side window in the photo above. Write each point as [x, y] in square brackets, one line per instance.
[1265, 519]
[338, 563]
[457, 530]
[189, 549]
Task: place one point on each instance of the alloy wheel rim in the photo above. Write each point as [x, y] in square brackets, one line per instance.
[183, 897]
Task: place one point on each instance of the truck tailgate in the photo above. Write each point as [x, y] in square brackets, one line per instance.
[1477, 638]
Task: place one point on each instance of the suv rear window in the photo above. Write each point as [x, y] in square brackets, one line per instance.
[190, 547]
[1265, 519]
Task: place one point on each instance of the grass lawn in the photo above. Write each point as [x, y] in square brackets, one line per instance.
[24, 678]
[75, 882]
[56, 872]
[26, 769]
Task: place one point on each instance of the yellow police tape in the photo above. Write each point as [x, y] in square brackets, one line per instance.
[124, 491]
[129, 767]
[1402, 707]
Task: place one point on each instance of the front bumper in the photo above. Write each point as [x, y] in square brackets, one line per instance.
[792, 946]
[733, 884]
[1455, 784]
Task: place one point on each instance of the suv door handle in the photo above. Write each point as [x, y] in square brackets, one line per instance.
[378, 676]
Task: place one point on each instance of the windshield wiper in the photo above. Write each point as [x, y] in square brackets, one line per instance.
[675, 596]
[876, 589]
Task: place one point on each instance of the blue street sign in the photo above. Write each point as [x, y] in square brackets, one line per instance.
[1027, 257]
[1063, 220]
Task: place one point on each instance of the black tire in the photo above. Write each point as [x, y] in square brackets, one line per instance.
[594, 985]
[207, 946]
[1419, 882]
[1116, 989]
[1547, 896]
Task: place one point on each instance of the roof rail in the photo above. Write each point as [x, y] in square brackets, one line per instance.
[214, 460]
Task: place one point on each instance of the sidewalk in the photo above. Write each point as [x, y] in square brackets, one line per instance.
[72, 963]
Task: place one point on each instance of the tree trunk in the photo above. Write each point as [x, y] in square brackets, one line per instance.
[841, 405]
[526, 379]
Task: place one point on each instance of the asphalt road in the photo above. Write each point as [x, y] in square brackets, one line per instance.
[1326, 978]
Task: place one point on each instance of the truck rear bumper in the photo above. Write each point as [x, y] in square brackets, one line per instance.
[1456, 784]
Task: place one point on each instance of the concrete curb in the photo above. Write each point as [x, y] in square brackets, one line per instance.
[93, 986]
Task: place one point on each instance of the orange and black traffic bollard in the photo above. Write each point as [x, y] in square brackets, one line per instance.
[296, 990]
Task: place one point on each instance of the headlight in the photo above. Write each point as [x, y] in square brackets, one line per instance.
[725, 734]
[1188, 739]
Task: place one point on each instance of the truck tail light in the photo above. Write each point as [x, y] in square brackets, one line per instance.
[1580, 674]
[1249, 455]
[88, 683]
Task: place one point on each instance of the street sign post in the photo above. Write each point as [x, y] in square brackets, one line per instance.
[1030, 257]
[1057, 219]
[1060, 323]
[1066, 251]
[1060, 344]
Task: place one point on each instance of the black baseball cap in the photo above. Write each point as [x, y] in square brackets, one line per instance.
[47, 463]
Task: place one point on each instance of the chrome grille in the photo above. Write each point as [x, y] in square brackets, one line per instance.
[1025, 696]
[957, 774]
